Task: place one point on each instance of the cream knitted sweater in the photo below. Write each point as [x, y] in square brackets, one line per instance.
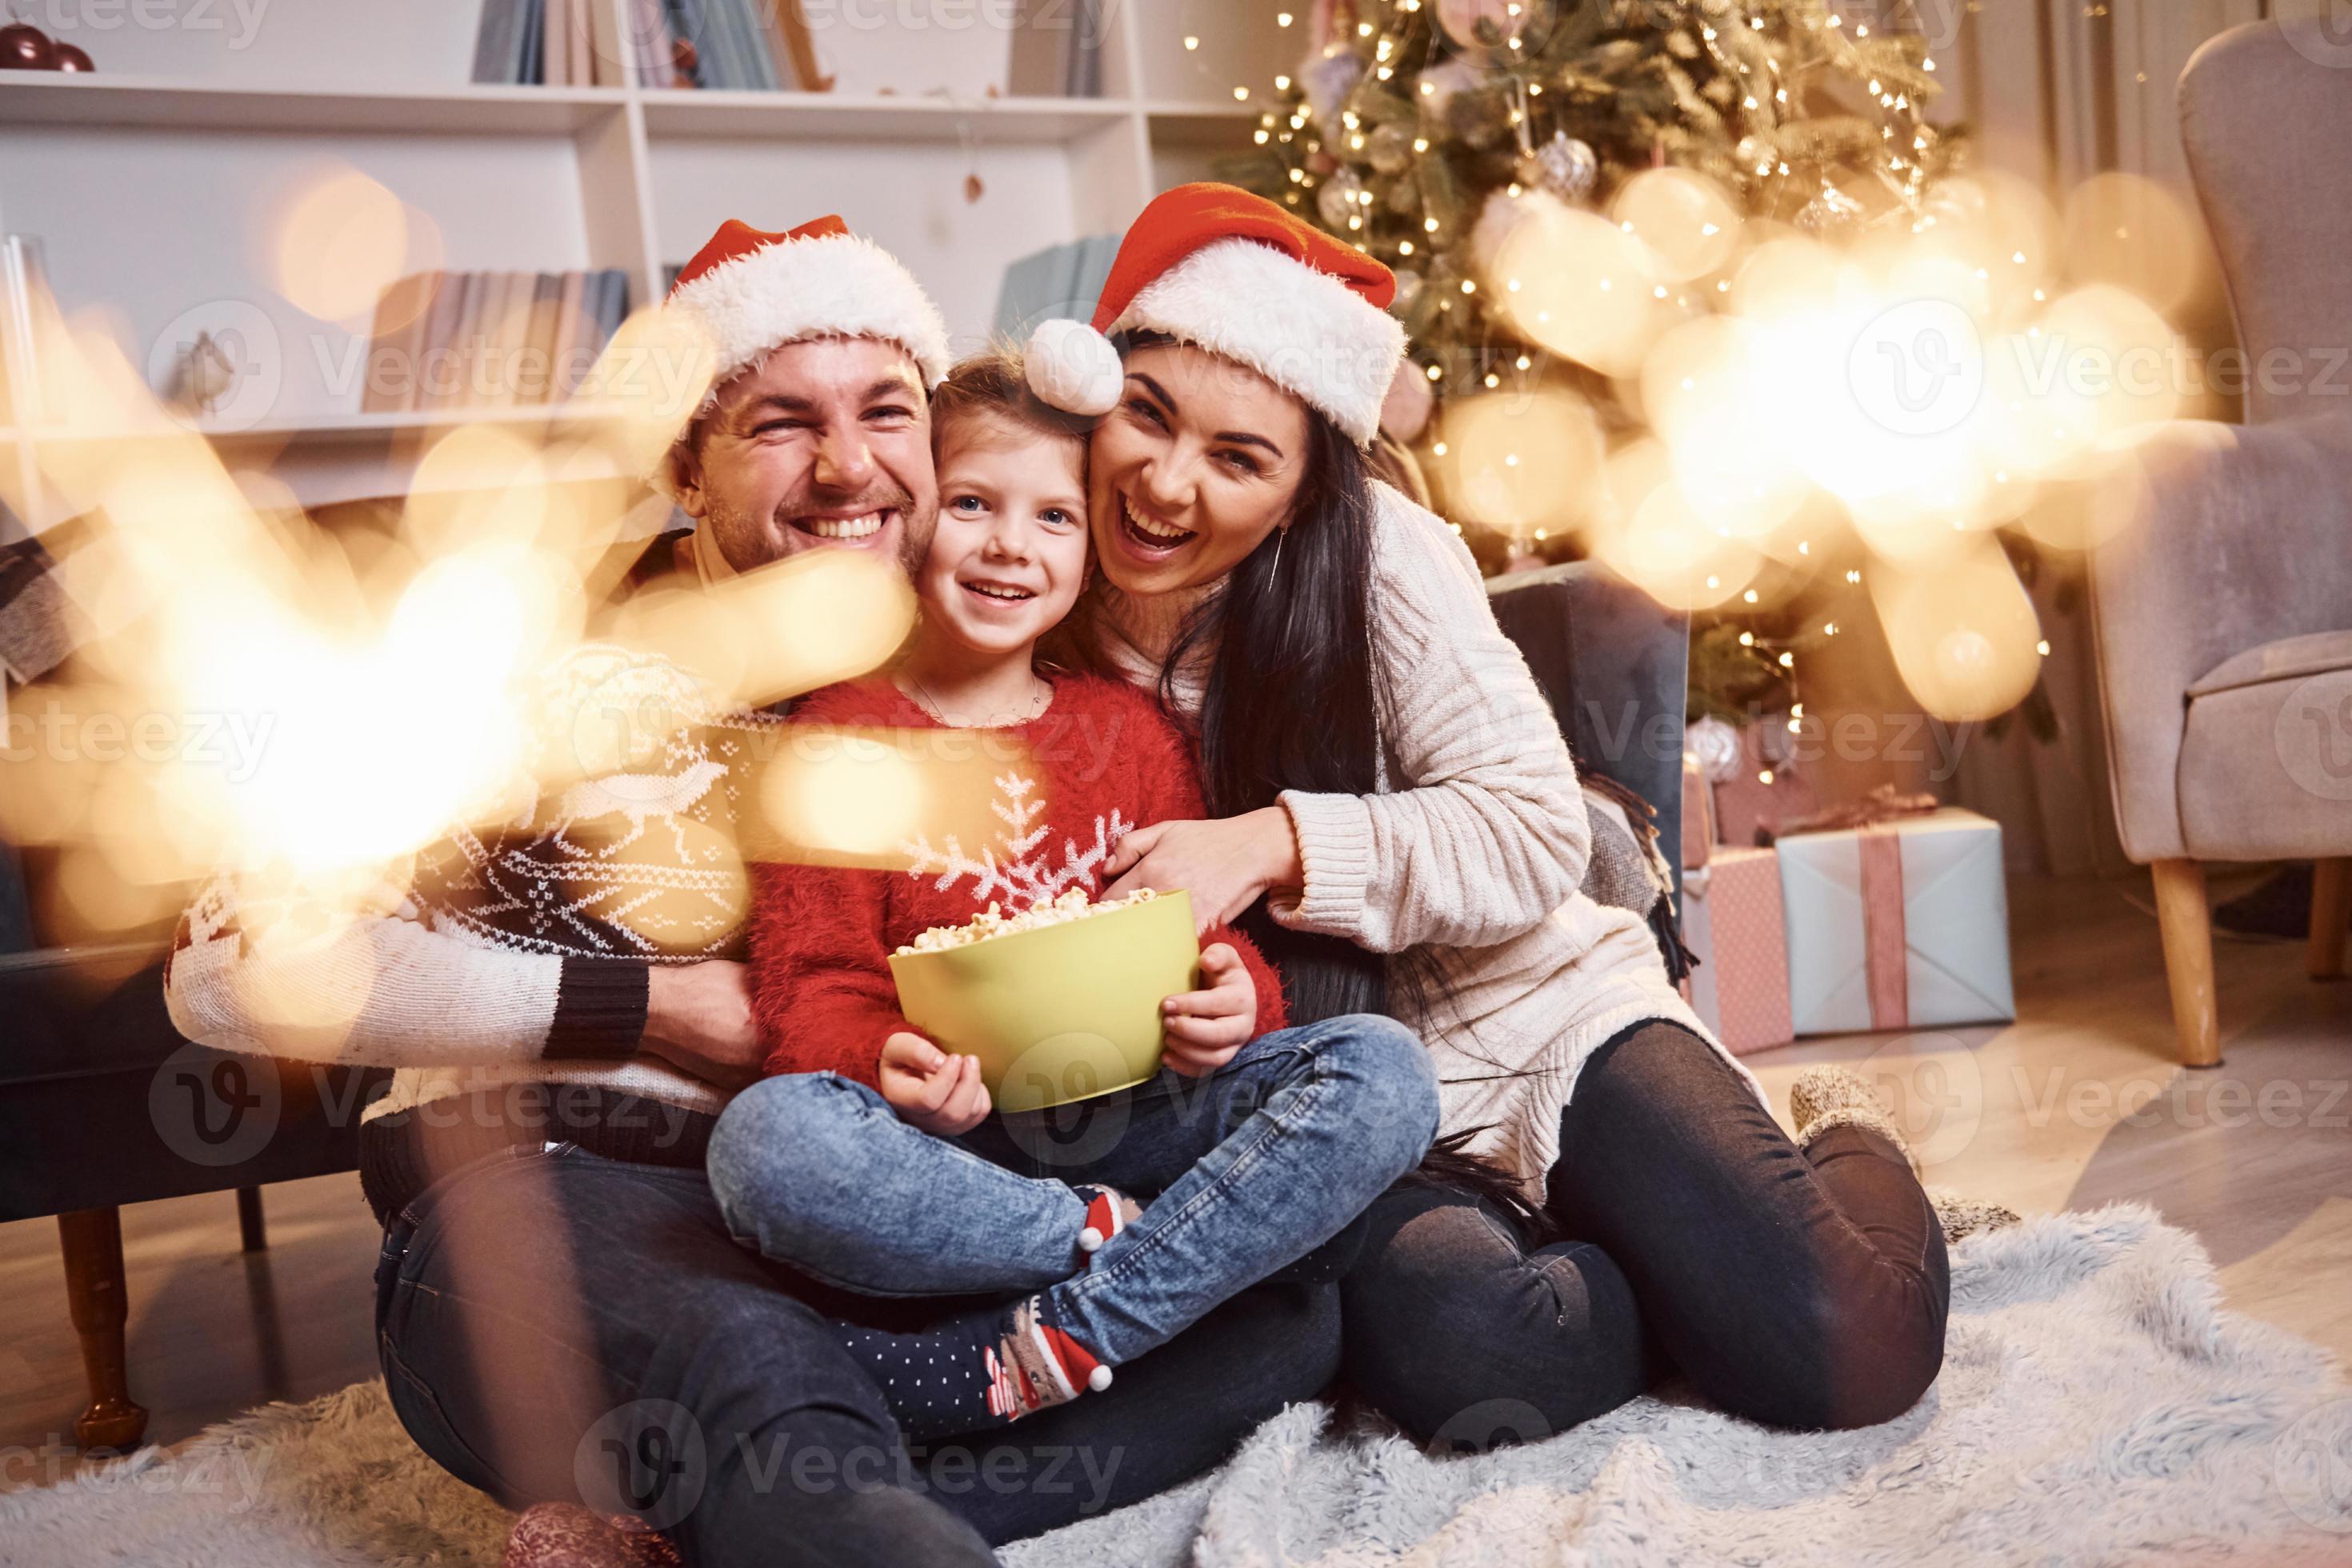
[1472, 852]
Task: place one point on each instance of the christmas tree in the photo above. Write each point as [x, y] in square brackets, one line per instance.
[1411, 117]
[1475, 147]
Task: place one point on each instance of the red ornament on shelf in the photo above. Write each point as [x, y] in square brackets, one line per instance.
[72, 59]
[25, 47]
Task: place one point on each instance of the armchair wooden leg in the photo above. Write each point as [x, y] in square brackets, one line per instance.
[92, 1242]
[2331, 914]
[2186, 925]
[252, 1229]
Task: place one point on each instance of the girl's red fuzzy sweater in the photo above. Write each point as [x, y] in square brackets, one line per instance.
[1101, 759]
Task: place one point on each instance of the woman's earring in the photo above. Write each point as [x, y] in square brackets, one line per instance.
[1279, 540]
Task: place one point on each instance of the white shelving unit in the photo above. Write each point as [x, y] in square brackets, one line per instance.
[157, 184]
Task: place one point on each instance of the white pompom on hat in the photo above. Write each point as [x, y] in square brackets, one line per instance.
[1237, 275]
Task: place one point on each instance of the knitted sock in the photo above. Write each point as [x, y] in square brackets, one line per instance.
[1109, 1212]
[978, 1370]
[1963, 1216]
[1827, 1097]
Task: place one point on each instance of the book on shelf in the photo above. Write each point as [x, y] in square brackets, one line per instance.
[490, 339]
[738, 45]
[561, 382]
[1056, 49]
[497, 40]
[556, 45]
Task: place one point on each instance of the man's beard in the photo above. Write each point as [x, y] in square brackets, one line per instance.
[737, 533]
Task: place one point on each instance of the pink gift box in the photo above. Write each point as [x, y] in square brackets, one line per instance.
[1744, 802]
[1698, 816]
[1732, 921]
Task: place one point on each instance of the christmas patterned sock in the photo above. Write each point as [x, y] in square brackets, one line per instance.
[1109, 1212]
[980, 1370]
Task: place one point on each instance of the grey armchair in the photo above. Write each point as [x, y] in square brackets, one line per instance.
[2224, 618]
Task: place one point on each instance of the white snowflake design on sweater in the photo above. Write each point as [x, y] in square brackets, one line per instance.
[1013, 871]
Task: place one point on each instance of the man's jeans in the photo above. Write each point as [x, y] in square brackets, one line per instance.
[1253, 1165]
[555, 1326]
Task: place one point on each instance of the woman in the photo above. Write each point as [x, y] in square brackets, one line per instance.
[1386, 776]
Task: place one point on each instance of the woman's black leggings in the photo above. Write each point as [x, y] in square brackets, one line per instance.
[1803, 1289]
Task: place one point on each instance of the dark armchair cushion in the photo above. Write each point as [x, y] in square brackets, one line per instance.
[1614, 666]
[102, 1102]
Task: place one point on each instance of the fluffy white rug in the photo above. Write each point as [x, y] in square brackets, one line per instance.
[2097, 1404]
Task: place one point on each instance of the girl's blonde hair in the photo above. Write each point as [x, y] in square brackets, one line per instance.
[993, 383]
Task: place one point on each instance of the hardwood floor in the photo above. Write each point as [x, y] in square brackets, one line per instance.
[2081, 1102]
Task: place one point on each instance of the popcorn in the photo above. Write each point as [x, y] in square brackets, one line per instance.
[991, 922]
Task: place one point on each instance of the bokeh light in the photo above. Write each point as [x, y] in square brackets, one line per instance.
[343, 240]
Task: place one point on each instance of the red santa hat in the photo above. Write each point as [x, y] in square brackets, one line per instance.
[1240, 275]
[752, 292]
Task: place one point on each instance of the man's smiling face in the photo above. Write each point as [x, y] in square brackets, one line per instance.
[826, 445]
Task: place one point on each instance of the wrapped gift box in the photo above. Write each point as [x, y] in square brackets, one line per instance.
[1699, 814]
[1900, 925]
[1731, 920]
[1745, 801]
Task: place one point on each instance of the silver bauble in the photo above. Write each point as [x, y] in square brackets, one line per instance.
[1568, 167]
[1390, 148]
[1337, 199]
[1326, 79]
[1831, 215]
[1715, 744]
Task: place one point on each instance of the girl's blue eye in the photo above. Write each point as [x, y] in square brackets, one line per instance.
[967, 503]
[1055, 516]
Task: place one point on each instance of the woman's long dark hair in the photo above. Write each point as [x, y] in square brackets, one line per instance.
[1290, 700]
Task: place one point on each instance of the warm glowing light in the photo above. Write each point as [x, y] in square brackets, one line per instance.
[1520, 462]
[1568, 260]
[1963, 635]
[343, 240]
[1688, 223]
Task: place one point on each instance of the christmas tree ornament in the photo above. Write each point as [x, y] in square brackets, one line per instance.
[1340, 199]
[974, 187]
[1568, 167]
[1404, 413]
[1328, 76]
[201, 377]
[1493, 25]
[72, 59]
[1437, 87]
[1831, 215]
[1389, 149]
[25, 47]
[1715, 744]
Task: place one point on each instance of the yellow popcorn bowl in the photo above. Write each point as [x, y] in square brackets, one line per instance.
[1062, 1012]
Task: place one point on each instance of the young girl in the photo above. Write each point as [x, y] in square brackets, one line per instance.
[872, 1160]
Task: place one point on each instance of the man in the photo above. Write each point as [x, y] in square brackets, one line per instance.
[561, 1314]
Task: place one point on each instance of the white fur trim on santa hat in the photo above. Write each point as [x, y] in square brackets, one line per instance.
[1073, 367]
[1304, 331]
[831, 286]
